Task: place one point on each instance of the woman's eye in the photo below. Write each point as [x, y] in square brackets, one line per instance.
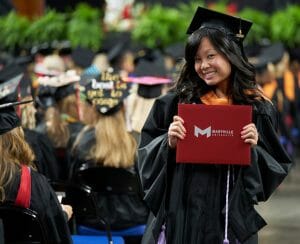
[210, 56]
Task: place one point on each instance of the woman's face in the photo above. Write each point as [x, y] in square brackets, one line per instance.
[212, 66]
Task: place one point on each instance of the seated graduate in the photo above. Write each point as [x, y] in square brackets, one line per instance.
[106, 142]
[16, 161]
[150, 78]
[204, 202]
[18, 85]
[62, 118]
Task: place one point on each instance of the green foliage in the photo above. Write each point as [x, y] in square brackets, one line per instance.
[285, 25]
[12, 31]
[159, 26]
[51, 26]
[187, 12]
[260, 27]
[84, 27]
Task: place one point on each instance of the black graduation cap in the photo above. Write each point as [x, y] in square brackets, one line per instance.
[150, 74]
[10, 77]
[60, 86]
[43, 49]
[208, 18]
[82, 57]
[175, 50]
[274, 52]
[295, 53]
[116, 45]
[107, 92]
[8, 117]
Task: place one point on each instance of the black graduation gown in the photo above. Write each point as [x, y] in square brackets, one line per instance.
[190, 198]
[124, 210]
[44, 201]
[45, 160]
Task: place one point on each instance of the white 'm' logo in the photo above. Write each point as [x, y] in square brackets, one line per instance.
[206, 131]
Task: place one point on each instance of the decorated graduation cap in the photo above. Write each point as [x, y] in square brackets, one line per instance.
[107, 92]
[150, 74]
[60, 86]
[232, 25]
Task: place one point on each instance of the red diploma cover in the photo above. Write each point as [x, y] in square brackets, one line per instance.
[214, 134]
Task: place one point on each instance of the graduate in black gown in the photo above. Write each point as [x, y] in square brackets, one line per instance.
[107, 143]
[16, 85]
[188, 201]
[62, 118]
[16, 153]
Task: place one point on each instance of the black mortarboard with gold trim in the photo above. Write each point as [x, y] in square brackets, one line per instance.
[107, 92]
[232, 25]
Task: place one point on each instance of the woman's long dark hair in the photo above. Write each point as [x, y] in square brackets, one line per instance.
[243, 88]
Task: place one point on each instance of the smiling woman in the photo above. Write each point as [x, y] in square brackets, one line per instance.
[203, 203]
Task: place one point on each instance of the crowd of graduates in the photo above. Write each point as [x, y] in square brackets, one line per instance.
[81, 107]
[90, 106]
[277, 72]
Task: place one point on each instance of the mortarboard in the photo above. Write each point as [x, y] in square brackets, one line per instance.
[60, 86]
[150, 74]
[43, 49]
[295, 53]
[10, 77]
[176, 51]
[208, 18]
[8, 117]
[82, 57]
[274, 52]
[107, 92]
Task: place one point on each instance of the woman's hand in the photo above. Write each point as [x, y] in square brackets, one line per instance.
[68, 210]
[249, 134]
[176, 131]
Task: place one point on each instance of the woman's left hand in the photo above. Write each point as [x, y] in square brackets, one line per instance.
[249, 134]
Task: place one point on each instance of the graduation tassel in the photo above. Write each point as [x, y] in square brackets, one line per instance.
[226, 241]
[162, 235]
[77, 94]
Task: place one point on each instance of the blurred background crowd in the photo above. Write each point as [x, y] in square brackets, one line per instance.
[94, 68]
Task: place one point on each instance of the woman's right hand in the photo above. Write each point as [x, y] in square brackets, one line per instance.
[176, 131]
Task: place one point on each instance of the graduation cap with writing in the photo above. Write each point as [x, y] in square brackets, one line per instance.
[107, 92]
[232, 25]
[150, 75]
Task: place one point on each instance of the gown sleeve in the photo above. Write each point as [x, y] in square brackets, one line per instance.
[270, 162]
[154, 152]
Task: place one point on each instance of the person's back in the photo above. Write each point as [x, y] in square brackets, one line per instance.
[15, 152]
[107, 143]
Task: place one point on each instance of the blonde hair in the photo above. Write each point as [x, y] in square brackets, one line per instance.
[56, 127]
[114, 146]
[28, 114]
[14, 151]
[54, 63]
[68, 105]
